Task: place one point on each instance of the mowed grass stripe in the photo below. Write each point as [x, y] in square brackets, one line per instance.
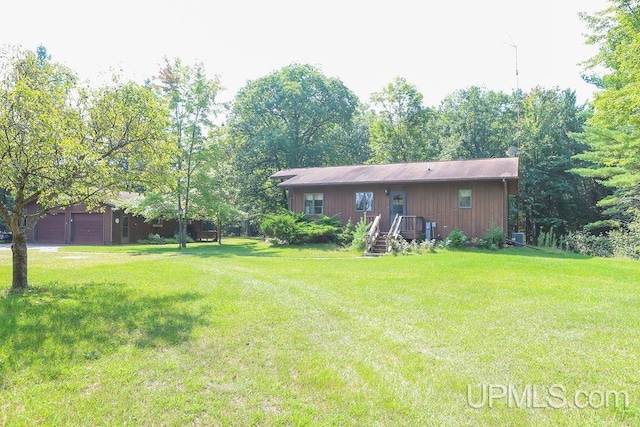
[247, 333]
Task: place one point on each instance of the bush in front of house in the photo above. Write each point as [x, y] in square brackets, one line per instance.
[156, 239]
[493, 239]
[359, 240]
[456, 239]
[280, 227]
[153, 239]
[293, 228]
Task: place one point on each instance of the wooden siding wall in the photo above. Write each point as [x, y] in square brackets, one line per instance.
[139, 229]
[106, 218]
[437, 202]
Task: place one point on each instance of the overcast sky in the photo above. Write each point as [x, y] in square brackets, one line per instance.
[438, 46]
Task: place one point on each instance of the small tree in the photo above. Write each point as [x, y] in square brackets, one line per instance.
[191, 99]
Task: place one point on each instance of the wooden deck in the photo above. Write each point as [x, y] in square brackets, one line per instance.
[408, 227]
[411, 227]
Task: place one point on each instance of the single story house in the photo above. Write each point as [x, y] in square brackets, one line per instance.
[110, 225]
[431, 198]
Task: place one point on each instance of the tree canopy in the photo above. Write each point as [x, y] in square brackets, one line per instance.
[402, 129]
[63, 144]
[293, 117]
[191, 99]
[613, 132]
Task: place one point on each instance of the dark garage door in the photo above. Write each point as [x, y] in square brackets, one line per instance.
[50, 229]
[87, 228]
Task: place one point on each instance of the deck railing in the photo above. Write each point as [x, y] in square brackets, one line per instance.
[372, 236]
[412, 227]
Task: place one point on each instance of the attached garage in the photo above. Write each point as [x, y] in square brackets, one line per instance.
[87, 228]
[51, 229]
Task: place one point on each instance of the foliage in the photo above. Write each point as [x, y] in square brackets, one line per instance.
[477, 123]
[297, 228]
[404, 247]
[63, 144]
[156, 239]
[402, 129]
[613, 133]
[190, 96]
[347, 235]
[550, 196]
[548, 239]
[294, 117]
[360, 234]
[585, 243]
[494, 238]
[281, 227]
[456, 239]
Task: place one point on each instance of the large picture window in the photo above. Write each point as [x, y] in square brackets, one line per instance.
[313, 204]
[464, 199]
[364, 202]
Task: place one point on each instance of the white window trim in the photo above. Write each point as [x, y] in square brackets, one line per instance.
[313, 206]
[460, 198]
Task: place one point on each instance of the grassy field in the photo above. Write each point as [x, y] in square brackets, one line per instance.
[250, 334]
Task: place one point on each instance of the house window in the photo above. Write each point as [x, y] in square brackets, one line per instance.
[313, 204]
[464, 199]
[206, 226]
[156, 223]
[364, 202]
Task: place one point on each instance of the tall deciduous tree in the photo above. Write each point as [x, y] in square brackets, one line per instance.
[477, 123]
[402, 129]
[551, 196]
[294, 117]
[61, 144]
[191, 97]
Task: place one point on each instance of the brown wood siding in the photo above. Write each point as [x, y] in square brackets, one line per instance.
[87, 228]
[50, 229]
[435, 202]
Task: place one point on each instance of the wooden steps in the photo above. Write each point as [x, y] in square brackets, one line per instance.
[380, 246]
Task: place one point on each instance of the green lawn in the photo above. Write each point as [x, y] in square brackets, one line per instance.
[251, 334]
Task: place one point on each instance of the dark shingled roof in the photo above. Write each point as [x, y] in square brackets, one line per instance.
[456, 170]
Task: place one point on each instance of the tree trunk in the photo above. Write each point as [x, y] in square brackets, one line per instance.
[183, 243]
[19, 249]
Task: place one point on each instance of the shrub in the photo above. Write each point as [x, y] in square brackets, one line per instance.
[402, 247]
[399, 246]
[346, 237]
[153, 239]
[292, 228]
[626, 243]
[588, 244]
[480, 242]
[548, 239]
[280, 227]
[456, 239]
[316, 232]
[359, 241]
[494, 238]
